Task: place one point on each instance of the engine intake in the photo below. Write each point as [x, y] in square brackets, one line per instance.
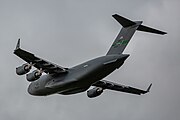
[96, 91]
[25, 68]
[33, 75]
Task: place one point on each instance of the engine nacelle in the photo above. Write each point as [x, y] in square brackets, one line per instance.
[33, 75]
[25, 68]
[96, 91]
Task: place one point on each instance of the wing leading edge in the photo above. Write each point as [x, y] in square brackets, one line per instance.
[37, 62]
[122, 88]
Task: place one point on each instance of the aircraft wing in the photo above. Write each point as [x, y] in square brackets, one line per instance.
[118, 87]
[37, 62]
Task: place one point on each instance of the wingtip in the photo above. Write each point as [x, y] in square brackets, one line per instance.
[148, 89]
[18, 44]
[114, 14]
[164, 33]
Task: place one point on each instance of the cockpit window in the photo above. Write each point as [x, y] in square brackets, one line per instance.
[36, 85]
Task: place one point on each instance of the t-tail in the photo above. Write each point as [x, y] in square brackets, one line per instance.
[126, 33]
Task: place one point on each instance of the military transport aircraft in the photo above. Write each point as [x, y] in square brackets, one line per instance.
[80, 78]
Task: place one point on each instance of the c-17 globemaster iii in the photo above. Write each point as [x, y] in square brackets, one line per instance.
[66, 81]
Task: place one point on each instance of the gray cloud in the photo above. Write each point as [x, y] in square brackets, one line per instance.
[80, 30]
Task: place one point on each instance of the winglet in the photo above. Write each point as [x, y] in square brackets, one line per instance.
[148, 89]
[18, 44]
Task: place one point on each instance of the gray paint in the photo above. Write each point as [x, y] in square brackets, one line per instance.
[48, 22]
[78, 79]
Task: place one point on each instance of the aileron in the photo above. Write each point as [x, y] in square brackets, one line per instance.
[37, 62]
[118, 87]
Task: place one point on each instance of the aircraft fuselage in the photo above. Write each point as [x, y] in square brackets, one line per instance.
[78, 78]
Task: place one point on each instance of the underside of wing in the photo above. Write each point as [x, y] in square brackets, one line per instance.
[118, 87]
[37, 62]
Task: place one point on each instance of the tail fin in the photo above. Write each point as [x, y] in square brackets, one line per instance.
[126, 33]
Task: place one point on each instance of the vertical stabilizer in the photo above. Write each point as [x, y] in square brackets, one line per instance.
[126, 33]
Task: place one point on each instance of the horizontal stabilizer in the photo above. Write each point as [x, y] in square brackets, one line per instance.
[123, 21]
[151, 30]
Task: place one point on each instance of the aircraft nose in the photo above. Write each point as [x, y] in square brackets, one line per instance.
[35, 90]
[31, 89]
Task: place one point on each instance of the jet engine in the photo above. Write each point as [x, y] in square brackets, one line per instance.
[33, 75]
[96, 91]
[25, 68]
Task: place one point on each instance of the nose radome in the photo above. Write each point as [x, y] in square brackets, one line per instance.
[30, 89]
[33, 89]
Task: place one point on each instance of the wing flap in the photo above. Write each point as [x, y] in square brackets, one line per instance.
[118, 87]
[37, 62]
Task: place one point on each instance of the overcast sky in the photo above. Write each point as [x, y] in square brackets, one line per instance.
[69, 32]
